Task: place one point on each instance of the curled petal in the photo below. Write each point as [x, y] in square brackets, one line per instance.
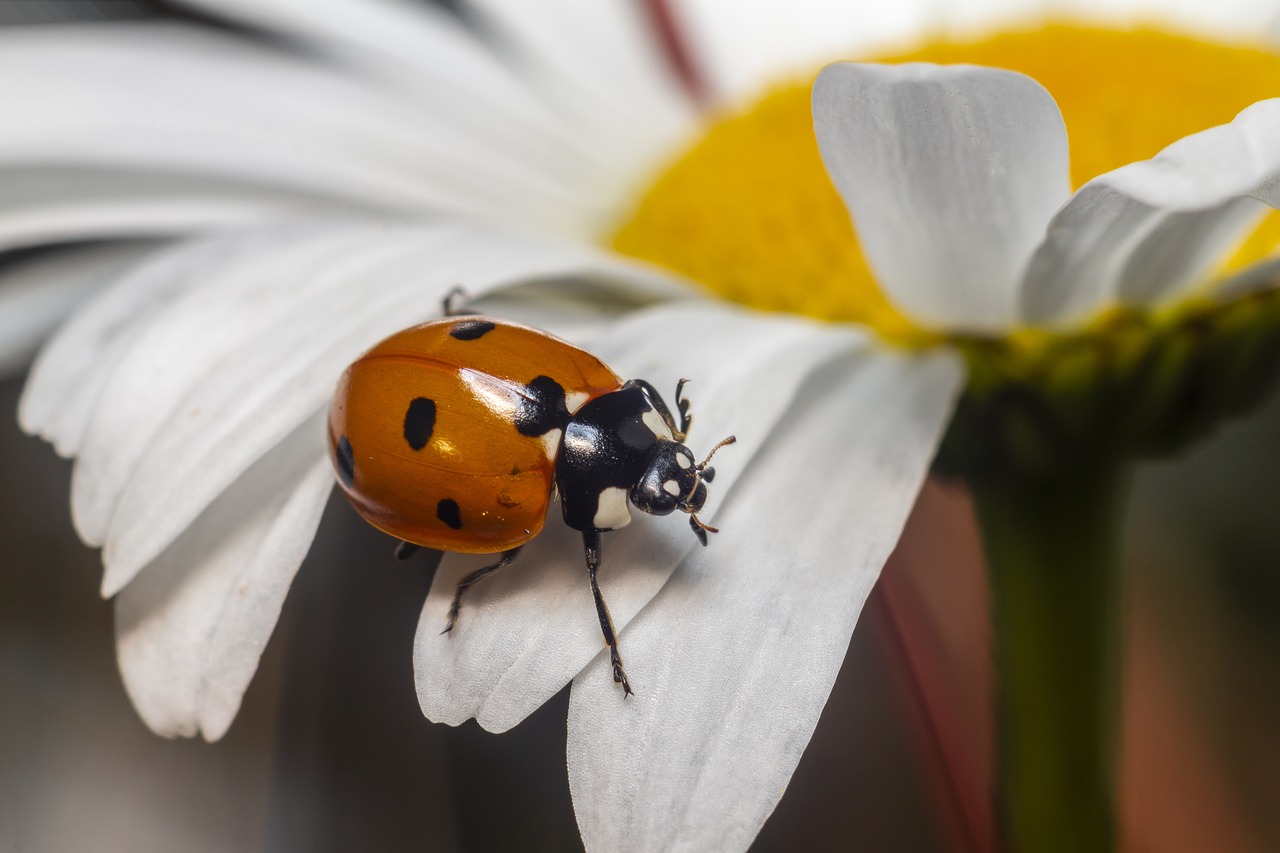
[950, 174]
[1148, 231]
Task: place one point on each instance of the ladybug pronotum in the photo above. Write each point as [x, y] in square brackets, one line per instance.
[456, 434]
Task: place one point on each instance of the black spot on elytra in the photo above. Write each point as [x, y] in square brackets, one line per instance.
[542, 407]
[469, 330]
[419, 422]
[346, 461]
[448, 512]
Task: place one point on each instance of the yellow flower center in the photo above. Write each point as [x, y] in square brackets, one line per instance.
[749, 212]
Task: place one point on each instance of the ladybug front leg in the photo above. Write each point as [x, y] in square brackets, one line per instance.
[680, 431]
[686, 419]
[465, 584]
[591, 542]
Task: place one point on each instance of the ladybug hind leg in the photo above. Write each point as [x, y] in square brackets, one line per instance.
[405, 550]
[591, 542]
[455, 302]
[469, 580]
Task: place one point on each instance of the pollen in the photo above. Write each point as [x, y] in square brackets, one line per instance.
[748, 210]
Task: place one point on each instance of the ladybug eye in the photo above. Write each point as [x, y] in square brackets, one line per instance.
[697, 498]
[654, 496]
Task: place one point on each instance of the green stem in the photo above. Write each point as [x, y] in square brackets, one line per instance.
[1052, 546]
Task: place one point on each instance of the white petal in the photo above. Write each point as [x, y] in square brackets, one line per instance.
[425, 52]
[950, 173]
[164, 353]
[530, 628]
[48, 205]
[1181, 247]
[237, 362]
[36, 293]
[1149, 230]
[733, 661]
[425, 39]
[595, 63]
[173, 98]
[67, 379]
[191, 628]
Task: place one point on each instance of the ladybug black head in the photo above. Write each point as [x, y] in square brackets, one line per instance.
[672, 480]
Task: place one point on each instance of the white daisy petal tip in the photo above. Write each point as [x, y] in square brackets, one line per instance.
[190, 629]
[950, 174]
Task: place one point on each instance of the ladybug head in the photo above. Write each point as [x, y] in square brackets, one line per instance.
[672, 480]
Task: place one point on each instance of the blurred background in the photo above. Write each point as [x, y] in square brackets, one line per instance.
[330, 751]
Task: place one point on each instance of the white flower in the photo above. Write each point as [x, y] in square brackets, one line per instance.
[319, 196]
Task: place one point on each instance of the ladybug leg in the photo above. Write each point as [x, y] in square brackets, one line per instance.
[466, 583]
[678, 432]
[453, 302]
[405, 550]
[591, 542]
[682, 405]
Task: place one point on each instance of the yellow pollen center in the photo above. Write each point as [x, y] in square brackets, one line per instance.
[749, 211]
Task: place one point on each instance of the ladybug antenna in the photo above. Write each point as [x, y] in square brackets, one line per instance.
[702, 473]
[730, 440]
[701, 528]
[694, 521]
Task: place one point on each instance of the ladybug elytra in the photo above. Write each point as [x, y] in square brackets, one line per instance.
[455, 435]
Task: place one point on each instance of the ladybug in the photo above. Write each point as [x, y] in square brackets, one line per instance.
[458, 433]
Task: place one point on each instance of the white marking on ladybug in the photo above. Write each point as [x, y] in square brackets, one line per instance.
[671, 487]
[611, 509]
[654, 421]
[684, 461]
[551, 443]
[575, 401]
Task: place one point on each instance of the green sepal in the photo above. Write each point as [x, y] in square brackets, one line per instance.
[1129, 385]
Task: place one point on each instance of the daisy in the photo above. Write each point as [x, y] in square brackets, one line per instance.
[320, 190]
